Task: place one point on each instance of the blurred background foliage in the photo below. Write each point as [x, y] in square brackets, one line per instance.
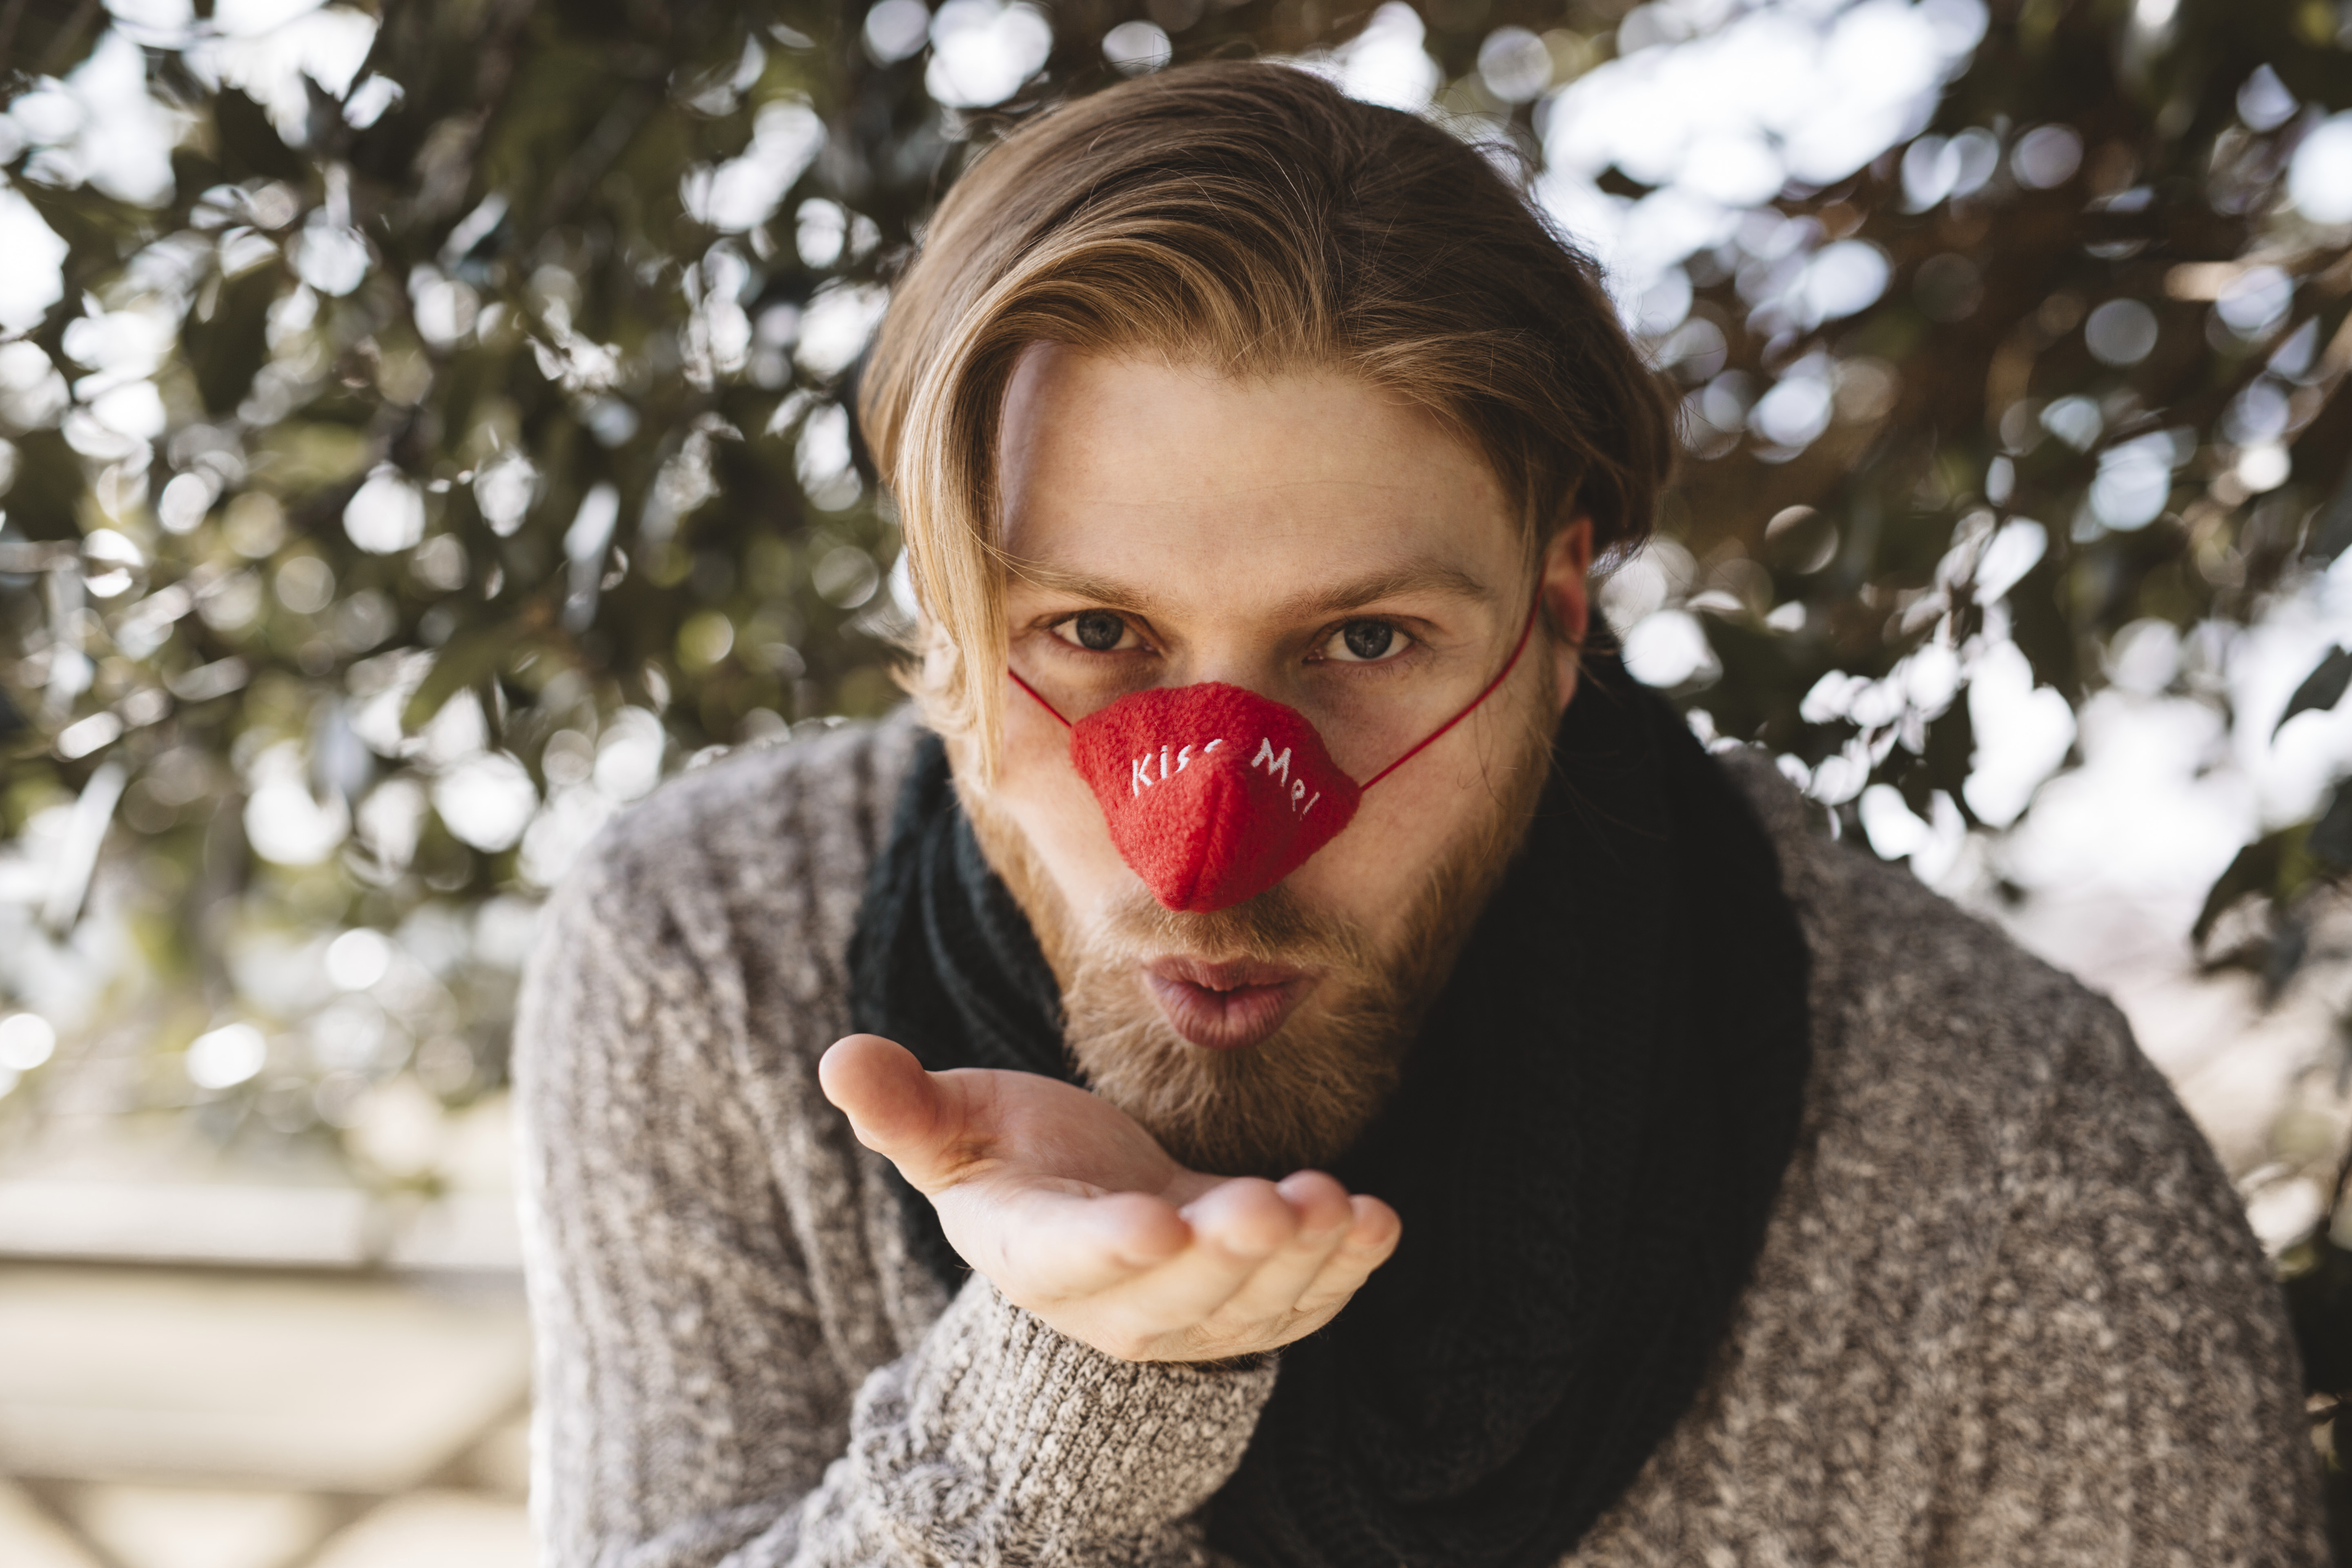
[425, 429]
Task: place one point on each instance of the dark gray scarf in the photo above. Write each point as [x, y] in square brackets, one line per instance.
[1584, 1148]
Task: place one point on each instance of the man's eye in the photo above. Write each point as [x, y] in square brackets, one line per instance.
[1097, 631]
[1362, 642]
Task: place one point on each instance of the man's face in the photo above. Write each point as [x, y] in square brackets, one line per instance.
[1325, 545]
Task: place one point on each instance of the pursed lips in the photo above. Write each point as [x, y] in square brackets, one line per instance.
[1226, 1006]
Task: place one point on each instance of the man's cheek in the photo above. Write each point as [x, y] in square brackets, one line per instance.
[1366, 878]
[1054, 810]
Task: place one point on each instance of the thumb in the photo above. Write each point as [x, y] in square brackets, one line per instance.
[896, 1108]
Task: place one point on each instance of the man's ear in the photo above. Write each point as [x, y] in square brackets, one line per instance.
[1567, 600]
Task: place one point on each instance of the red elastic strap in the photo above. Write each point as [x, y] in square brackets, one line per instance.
[1041, 700]
[1508, 665]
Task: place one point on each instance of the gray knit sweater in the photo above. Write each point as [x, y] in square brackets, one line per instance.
[2007, 1311]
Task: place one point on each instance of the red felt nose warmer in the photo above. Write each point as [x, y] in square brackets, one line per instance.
[1214, 793]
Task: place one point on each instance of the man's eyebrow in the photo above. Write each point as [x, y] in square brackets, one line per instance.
[1425, 577]
[1101, 591]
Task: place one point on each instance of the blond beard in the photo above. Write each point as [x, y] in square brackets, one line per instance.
[1300, 1097]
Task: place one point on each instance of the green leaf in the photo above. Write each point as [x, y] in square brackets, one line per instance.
[2321, 689]
[226, 349]
[470, 658]
[2331, 532]
[2255, 870]
[48, 487]
[249, 144]
[302, 458]
[2331, 837]
[51, 39]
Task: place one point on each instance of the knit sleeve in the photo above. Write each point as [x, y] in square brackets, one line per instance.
[2134, 1397]
[727, 1374]
[1002, 1441]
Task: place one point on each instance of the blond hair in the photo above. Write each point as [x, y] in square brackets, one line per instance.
[1250, 217]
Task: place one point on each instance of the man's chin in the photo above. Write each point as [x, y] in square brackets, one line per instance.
[1224, 1007]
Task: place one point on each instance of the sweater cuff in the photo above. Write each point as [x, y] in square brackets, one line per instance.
[1073, 1445]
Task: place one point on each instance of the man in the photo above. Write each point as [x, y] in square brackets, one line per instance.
[1342, 1076]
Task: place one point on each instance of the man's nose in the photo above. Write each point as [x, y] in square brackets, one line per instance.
[1253, 663]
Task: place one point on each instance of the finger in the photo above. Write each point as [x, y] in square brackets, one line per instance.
[1322, 1203]
[1235, 1227]
[896, 1108]
[1043, 1244]
[1371, 1240]
[1273, 1289]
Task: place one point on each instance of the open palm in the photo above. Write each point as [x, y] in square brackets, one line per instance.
[1078, 1216]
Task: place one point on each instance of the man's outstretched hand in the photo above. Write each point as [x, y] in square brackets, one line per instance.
[1076, 1215]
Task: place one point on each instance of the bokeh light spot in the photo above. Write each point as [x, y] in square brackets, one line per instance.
[26, 1040]
[225, 1056]
[2120, 332]
[1136, 48]
[2046, 157]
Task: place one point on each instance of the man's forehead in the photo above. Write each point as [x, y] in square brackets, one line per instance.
[1137, 428]
[1131, 482]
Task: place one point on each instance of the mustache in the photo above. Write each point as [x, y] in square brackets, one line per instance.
[1275, 927]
